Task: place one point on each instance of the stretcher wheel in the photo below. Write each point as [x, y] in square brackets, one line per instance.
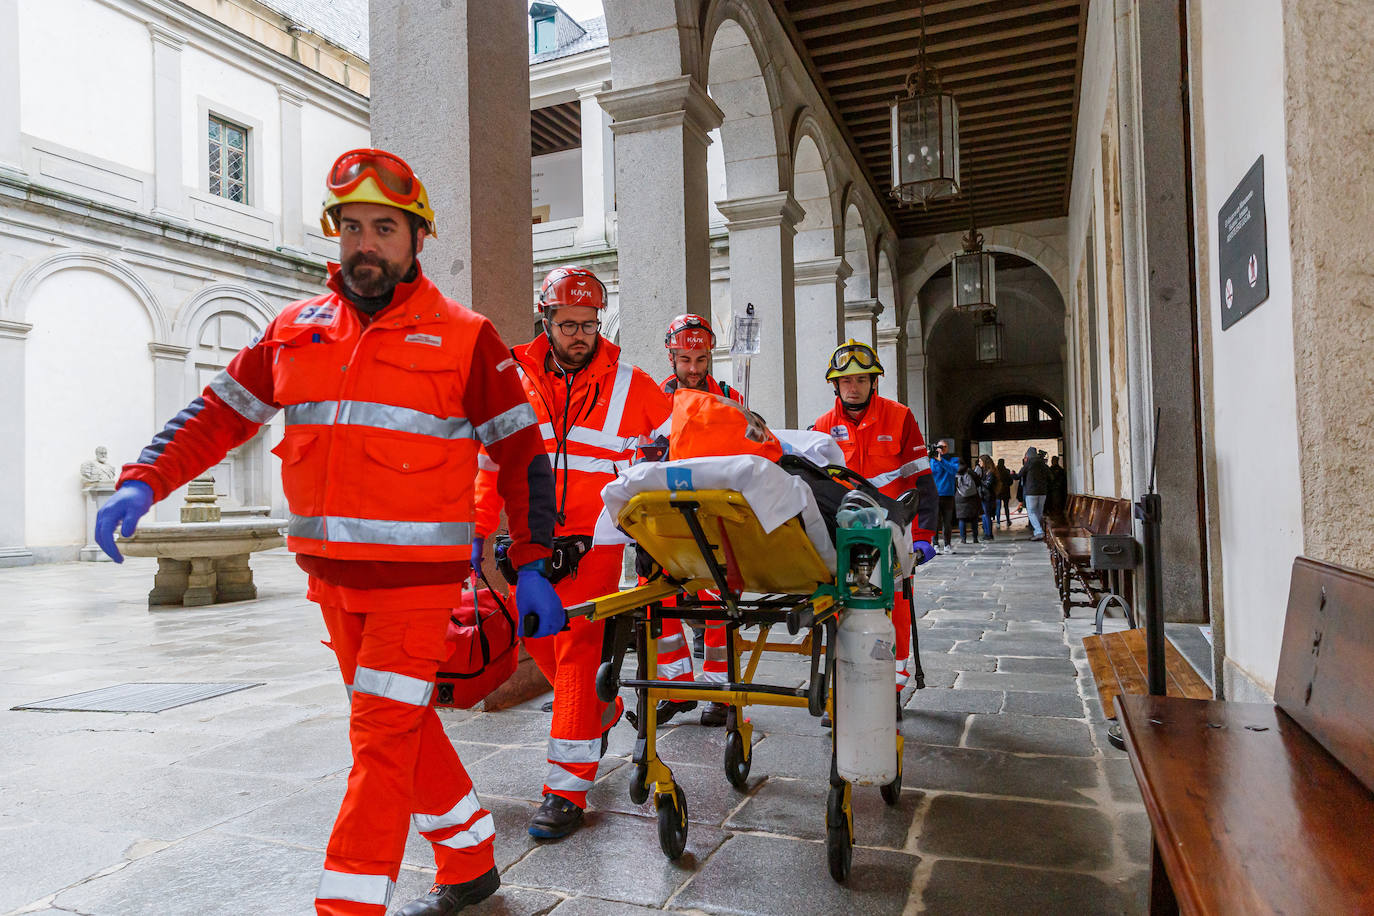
[639, 784]
[607, 682]
[892, 792]
[736, 760]
[839, 844]
[672, 823]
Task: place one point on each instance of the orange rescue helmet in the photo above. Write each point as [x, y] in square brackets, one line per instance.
[689, 332]
[571, 286]
[373, 176]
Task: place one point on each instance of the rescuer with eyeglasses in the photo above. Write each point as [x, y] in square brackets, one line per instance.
[593, 409]
[882, 441]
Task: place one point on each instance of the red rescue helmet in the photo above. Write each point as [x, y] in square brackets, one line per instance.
[689, 332]
[571, 286]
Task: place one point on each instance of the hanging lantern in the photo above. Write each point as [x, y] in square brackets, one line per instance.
[975, 276]
[988, 339]
[925, 136]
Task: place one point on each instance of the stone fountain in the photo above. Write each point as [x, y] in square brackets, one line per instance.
[203, 559]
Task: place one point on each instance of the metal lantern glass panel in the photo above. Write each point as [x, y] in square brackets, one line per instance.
[988, 339]
[975, 281]
[925, 147]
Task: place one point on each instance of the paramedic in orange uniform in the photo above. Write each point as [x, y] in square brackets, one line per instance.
[882, 441]
[593, 409]
[388, 389]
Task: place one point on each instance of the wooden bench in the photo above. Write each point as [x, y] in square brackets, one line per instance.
[1080, 582]
[1259, 808]
[1118, 665]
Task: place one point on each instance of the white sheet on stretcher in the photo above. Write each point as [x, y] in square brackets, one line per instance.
[816, 447]
[773, 494]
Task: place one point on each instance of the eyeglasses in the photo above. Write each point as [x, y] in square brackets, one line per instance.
[392, 175]
[846, 356]
[569, 328]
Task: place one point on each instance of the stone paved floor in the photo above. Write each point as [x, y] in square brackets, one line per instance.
[1014, 801]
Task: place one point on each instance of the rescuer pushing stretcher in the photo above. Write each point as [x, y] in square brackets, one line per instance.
[388, 389]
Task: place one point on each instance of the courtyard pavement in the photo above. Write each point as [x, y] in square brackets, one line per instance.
[1014, 802]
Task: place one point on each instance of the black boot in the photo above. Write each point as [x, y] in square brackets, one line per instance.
[557, 817]
[666, 709]
[713, 716]
[446, 899]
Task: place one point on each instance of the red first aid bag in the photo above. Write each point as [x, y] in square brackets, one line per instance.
[483, 638]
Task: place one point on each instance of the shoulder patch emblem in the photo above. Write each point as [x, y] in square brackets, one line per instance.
[323, 314]
[840, 432]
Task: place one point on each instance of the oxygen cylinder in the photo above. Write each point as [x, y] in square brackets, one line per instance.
[865, 698]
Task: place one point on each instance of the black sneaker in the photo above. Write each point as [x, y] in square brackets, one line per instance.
[445, 899]
[713, 716]
[666, 709]
[557, 817]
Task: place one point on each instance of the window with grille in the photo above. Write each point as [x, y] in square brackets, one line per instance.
[228, 160]
[1018, 413]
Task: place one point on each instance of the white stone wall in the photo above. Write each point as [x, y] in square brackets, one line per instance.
[1239, 116]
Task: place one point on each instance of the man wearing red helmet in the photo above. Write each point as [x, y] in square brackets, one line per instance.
[388, 388]
[881, 440]
[592, 408]
[689, 342]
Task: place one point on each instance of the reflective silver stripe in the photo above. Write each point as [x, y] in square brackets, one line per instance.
[232, 392]
[667, 644]
[615, 411]
[914, 466]
[379, 531]
[306, 526]
[502, 425]
[313, 413]
[485, 462]
[571, 750]
[339, 885]
[593, 437]
[392, 686]
[403, 419]
[483, 829]
[460, 813]
[585, 464]
[560, 780]
[716, 654]
[713, 677]
[665, 428]
[671, 671]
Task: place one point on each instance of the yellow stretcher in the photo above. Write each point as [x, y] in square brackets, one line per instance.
[710, 541]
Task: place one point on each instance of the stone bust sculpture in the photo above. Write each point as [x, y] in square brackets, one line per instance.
[100, 470]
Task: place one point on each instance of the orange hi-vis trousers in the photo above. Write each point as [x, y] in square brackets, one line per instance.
[389, 643]
[901, 624]
[569, 660]
[675, 653]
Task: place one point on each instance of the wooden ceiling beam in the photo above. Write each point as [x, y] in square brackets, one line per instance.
[862, 22]
[838, 7]
[959, 83]
[909, 41]
[865, 68]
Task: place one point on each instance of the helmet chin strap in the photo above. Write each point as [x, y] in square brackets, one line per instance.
[873, 389]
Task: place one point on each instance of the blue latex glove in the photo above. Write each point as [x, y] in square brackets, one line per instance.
[478, 545]
[541, 611]
[924, 552]
[128, 504]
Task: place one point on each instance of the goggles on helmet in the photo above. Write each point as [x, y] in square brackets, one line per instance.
[393, 176]
[689, 332]
[853, 358]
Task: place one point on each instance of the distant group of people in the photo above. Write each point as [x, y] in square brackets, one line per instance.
[981, 492]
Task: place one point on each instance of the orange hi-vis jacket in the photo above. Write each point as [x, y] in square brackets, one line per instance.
[886, 446]
[591, 420]
[383, 423]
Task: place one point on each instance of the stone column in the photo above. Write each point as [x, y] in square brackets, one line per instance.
[169, 396]
[915, 366]
[450, 94]
[598, 168]
[890, 355]
[11, 146]
[761, 232]
[96, 494]
[861, 321]
[820, 328]
[661, 207]
[292, 169]
[13, 551]
[167, 126]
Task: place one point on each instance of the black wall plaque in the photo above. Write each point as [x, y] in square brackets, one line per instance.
[1243, 256]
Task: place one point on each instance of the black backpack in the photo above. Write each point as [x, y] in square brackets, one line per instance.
[966, 487]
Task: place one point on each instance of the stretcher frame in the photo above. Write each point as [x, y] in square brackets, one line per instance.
[637, 614]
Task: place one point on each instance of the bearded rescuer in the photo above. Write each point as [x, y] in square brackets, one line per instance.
[689, 342]
[882, 441]
[388, 389]
[593, 409]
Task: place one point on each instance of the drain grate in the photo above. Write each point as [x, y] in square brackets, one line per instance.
[142, 697]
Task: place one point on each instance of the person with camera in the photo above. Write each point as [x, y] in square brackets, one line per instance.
[388, 388]
[945, 469]
[593, 408]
